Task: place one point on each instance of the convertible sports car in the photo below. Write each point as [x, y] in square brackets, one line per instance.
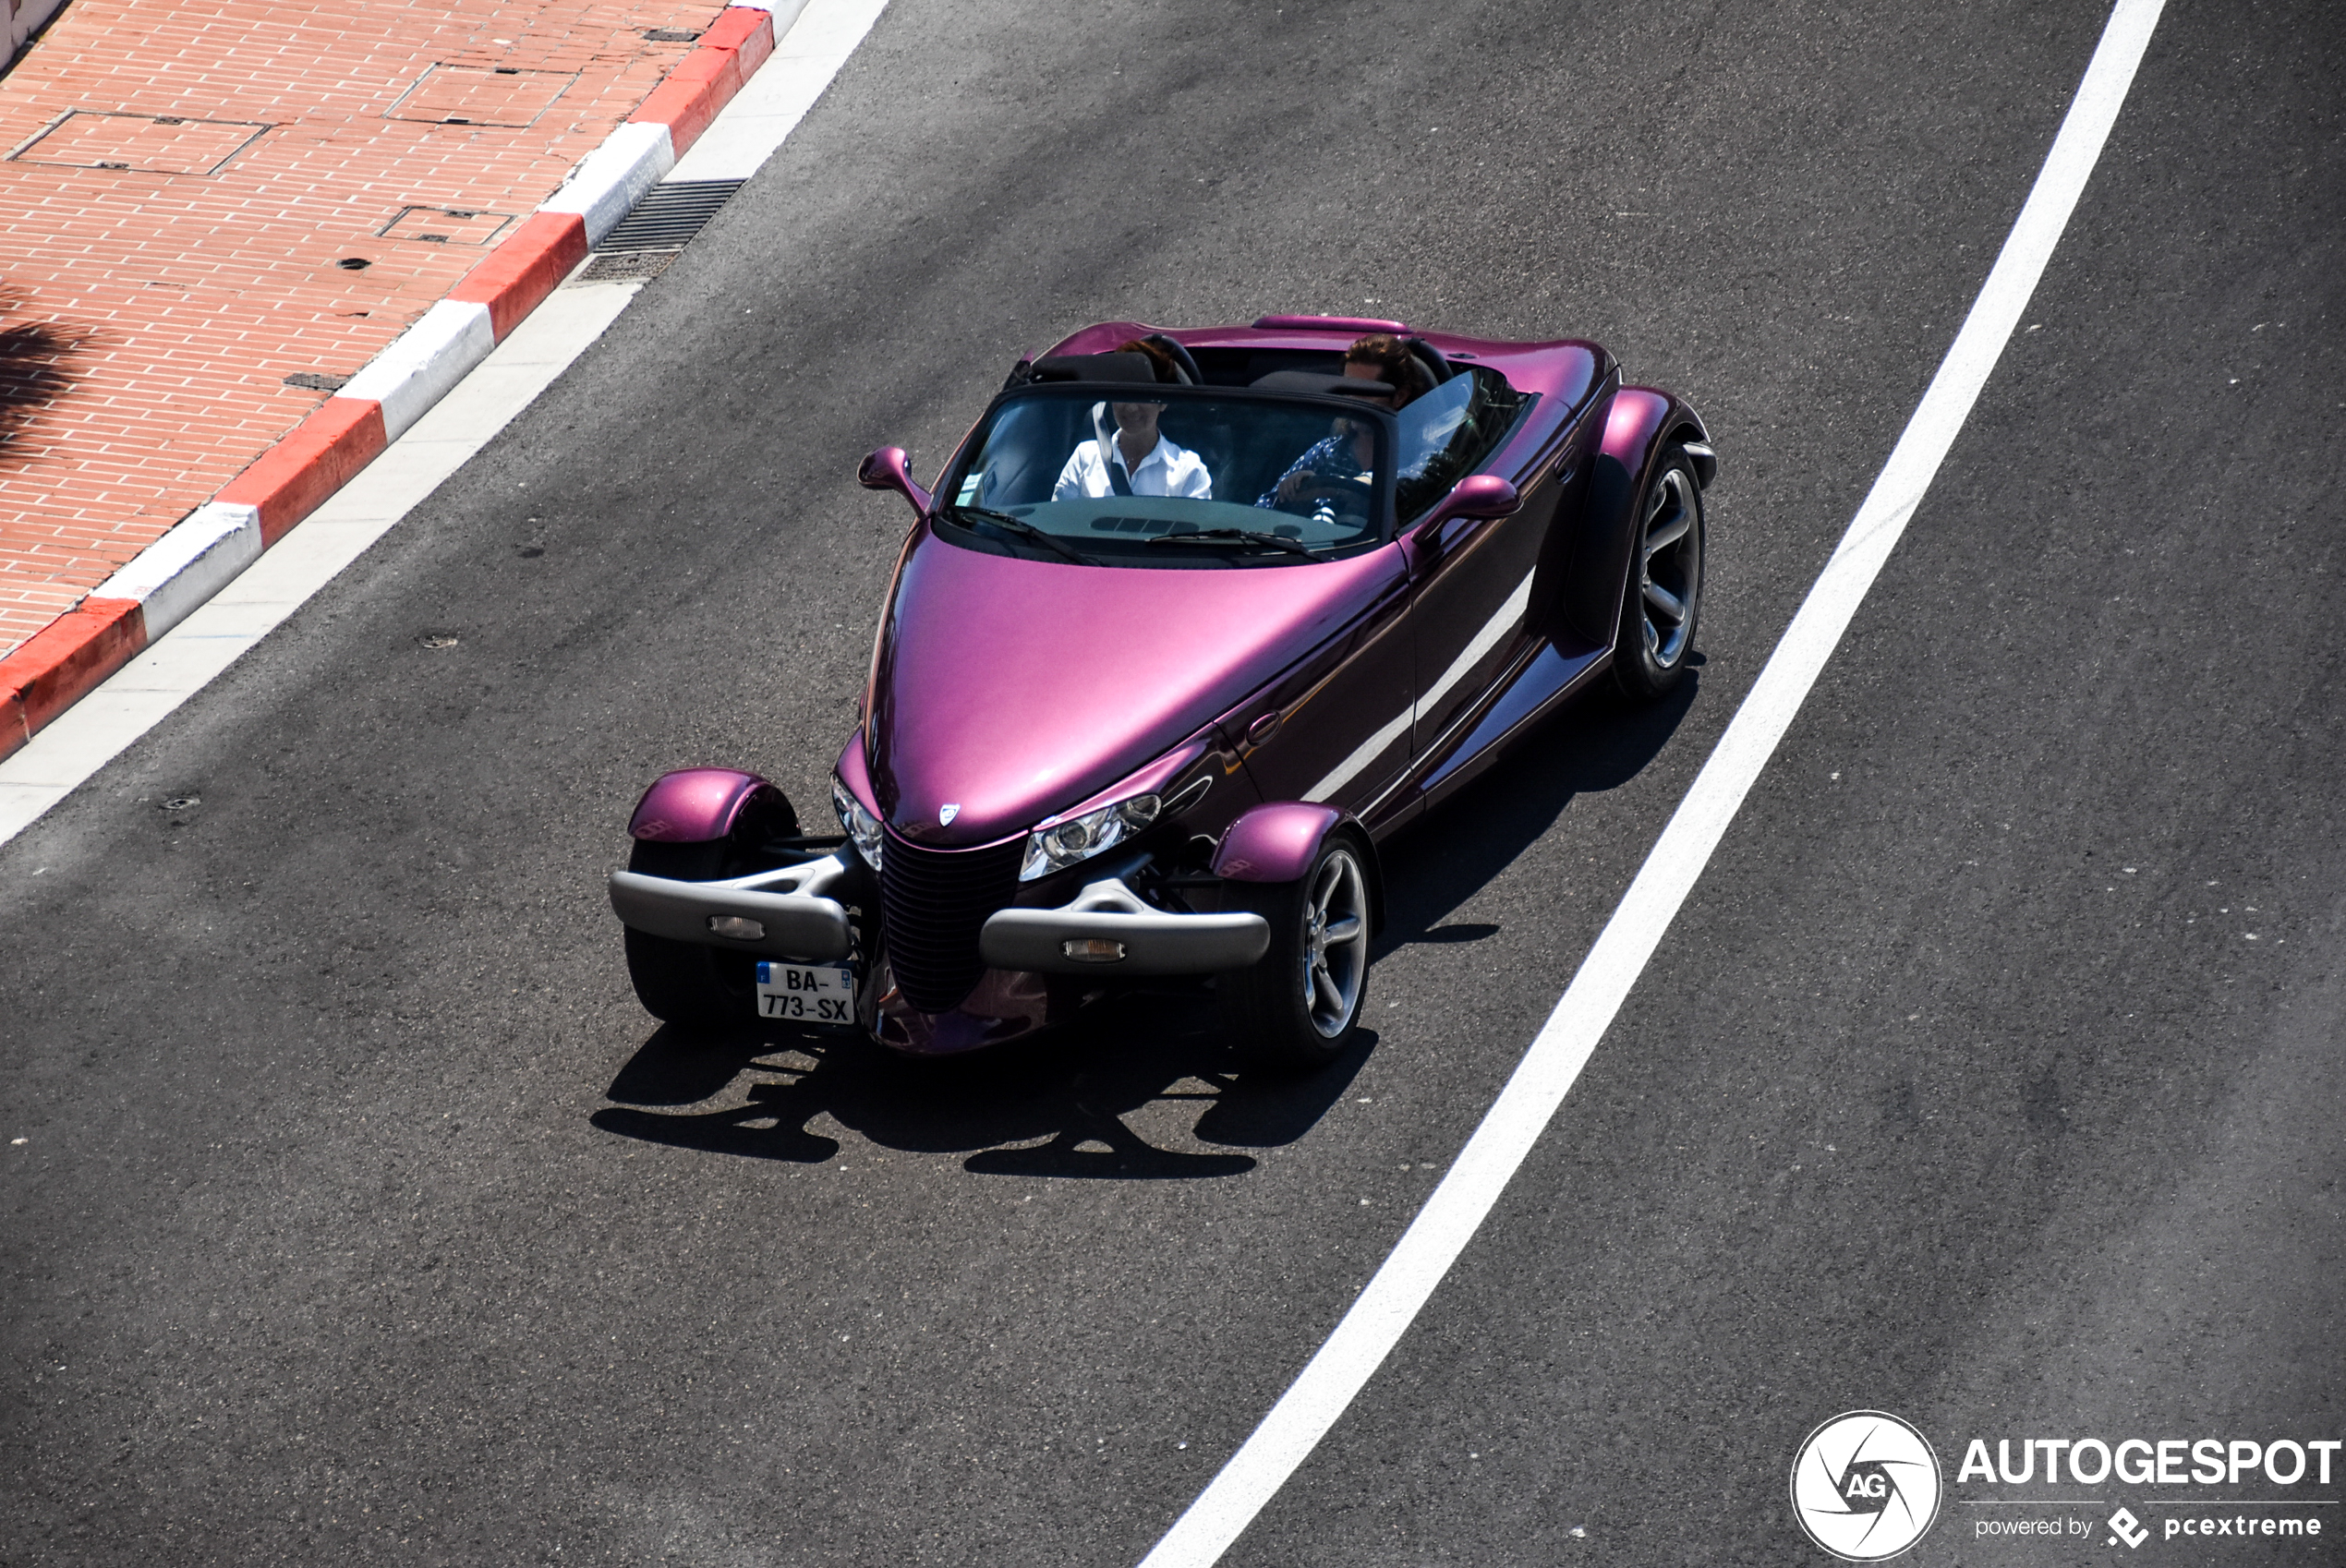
[1112, 736]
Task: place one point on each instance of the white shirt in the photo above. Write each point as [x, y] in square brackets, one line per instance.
[1168, 470]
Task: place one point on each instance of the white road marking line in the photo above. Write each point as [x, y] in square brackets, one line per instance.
[185, 660]
[1407, 1277]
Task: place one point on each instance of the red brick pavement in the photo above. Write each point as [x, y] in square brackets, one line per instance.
[150, 312]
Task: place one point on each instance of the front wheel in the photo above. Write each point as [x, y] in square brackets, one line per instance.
[1664, 593]
[684, 982]
[1298, 1005]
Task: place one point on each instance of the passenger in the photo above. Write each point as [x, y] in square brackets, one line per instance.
[1139, 459]
[1343, 457]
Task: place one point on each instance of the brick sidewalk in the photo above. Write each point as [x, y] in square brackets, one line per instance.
[187, 193]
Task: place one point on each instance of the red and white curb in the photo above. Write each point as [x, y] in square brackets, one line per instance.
[213, 545]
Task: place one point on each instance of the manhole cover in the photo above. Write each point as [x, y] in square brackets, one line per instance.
[473, 95]
[445, 225]
[310, 381]
[626, 265]
[154, 144]
[671, 34]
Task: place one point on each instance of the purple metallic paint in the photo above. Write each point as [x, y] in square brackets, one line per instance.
[1103, 338]
[1021, 690]
[1016, 688]
[1355, 324]
[1634, 425]
[1640, 423]
[1531, 693]
[1644, 420]
[694, 805]
[891, 468]
[1275, 843]
[1155, 779]
[855, 773]
[1480, 496]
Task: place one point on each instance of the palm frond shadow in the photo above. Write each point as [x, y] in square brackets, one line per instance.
[35, 371]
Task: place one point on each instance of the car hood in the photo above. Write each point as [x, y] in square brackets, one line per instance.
[1007, 689]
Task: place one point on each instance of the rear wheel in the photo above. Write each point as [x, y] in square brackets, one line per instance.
[1665, 595]
[684, 983]
[1298, 1005]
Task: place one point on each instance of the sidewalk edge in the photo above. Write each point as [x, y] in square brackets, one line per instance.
[206, 549]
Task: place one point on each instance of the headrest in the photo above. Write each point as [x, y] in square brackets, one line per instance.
[1323, 386]
[1125, 367]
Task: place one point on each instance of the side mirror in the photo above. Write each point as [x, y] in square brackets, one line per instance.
[887, 469]
[1477, 495]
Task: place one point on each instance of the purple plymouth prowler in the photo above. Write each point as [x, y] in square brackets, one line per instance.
[1180, 636]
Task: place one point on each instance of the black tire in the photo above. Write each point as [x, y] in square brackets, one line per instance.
[1297, 1006]
[1650, 650]
[684, 983]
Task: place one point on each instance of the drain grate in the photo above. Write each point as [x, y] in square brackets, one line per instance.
[624, 266]
[669, 215]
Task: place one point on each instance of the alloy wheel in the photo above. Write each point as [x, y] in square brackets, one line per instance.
[1670, 567]
[1335, 930]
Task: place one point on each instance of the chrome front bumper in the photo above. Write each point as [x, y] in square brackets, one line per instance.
[787, 910]
[1143, 940]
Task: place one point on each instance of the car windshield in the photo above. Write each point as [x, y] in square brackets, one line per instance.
[1189, 478]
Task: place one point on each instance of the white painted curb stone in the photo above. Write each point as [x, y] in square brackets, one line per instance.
[427, 359]
[200, 555]
[614, 177]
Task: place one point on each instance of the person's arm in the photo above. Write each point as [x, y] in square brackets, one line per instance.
[1072, 485]
[1193, 481]
[1291, 482]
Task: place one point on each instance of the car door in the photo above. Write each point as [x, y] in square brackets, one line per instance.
[1337, 726]
[1475, 578]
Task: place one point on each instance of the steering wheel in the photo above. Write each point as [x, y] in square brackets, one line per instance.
[1340, 503]
[1191, 374]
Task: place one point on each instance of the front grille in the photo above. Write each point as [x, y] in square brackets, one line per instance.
[935, 902]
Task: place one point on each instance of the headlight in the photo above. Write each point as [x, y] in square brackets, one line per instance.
[1063, 844]
[861, 825]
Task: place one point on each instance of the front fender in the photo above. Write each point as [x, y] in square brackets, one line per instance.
[698, 805]
[1642, 423]
[1278, 843]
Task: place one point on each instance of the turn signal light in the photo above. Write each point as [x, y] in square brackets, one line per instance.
[1093, 949]
[739, 927]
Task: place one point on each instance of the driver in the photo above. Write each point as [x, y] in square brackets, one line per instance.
[1140, 461]
[1344, 456]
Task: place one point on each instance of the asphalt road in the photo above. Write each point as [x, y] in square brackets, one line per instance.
[1991, 1075]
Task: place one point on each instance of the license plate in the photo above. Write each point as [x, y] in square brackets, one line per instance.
[807, 993]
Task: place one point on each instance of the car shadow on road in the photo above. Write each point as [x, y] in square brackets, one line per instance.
[1064, 1104]
[1598, 743]
[1061, 1106]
